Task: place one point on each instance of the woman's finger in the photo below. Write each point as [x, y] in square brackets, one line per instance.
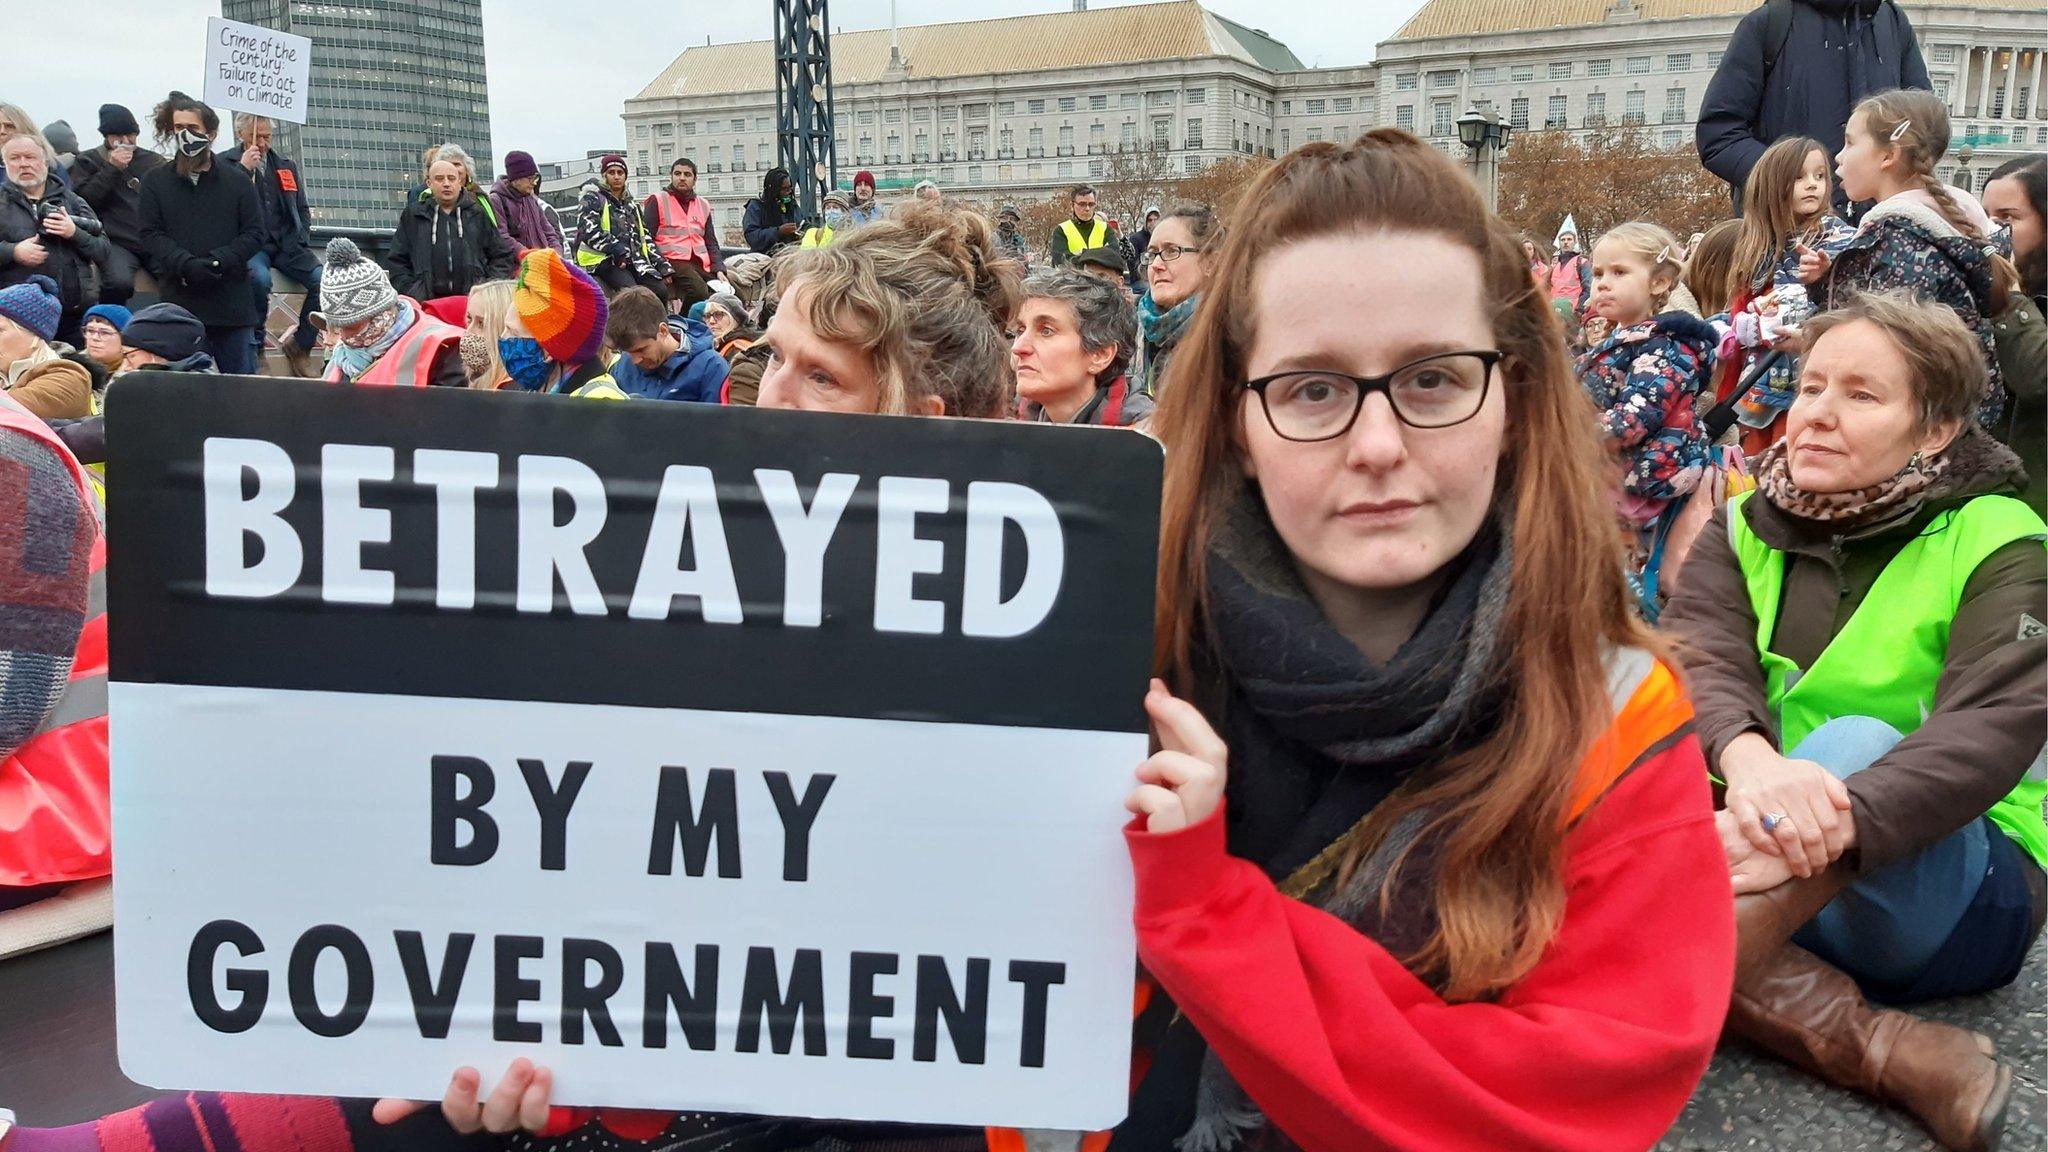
[390, 1111]
[1750, 819]
[1791, 847]
[1837, 789]
[1176, 770]
[1181, 727]
[459, 1104]
[1160, 808]
[501, 1111]
[533, 1105]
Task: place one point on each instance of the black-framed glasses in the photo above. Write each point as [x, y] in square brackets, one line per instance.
[1166, 252]
[1433, 392]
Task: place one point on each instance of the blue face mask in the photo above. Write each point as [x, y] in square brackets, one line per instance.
[833, 216]
[524, 361]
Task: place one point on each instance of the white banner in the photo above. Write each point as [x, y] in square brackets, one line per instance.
[788, 915]
[254, 69]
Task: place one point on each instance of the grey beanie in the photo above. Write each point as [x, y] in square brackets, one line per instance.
[352, 287]
[731, 306]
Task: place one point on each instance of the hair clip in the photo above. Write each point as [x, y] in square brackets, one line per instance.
[1671, 254]
[1900, 130]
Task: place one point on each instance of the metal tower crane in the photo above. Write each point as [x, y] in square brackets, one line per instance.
[803, 100]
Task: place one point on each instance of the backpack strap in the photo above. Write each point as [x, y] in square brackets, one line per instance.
[1777, 31]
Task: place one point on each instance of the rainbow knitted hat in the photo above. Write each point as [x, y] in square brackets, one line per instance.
[562, 306]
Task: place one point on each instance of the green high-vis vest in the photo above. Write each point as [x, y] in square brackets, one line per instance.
[1886, 661]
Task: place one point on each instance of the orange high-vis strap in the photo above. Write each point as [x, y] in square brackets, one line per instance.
[1650, 707]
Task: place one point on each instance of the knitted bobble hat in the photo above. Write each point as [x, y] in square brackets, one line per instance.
[352, 287]
[34, 305]
[561, 306]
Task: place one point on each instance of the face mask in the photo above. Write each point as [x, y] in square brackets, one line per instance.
[1006, 225]
[833, 216]
[372, 333]
[524, 361]
[788, 204]
[192, 143]
[476, 356]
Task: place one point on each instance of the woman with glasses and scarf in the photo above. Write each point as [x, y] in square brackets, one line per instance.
[1427, 857]
[1177, 258]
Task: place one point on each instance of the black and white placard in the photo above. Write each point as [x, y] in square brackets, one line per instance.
[719, 759]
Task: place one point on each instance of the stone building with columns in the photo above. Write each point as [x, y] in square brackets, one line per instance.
[1023, 106]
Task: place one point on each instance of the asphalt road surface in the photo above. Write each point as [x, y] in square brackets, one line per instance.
[58, 1001]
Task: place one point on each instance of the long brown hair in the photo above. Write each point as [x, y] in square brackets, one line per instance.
[1770, 217]
[1499, 811]
[1707, 269]
[1915, 123]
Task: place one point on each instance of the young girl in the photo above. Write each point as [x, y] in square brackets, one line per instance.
[1425, 799]
[1922, 235]
[1784, 216]
[1645, 376]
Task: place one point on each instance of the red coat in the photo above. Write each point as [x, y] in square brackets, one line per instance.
[1345, 1050]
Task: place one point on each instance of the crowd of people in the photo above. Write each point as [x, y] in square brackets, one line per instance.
[1565, 656]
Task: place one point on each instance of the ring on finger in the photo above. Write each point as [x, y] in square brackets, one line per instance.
[1772, 821]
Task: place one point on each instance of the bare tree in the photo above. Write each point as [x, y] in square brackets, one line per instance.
[1222, 183]
[1612, 176]
[1131, 181]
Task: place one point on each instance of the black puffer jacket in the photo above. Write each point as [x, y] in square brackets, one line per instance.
[70, 261]
[440, 253]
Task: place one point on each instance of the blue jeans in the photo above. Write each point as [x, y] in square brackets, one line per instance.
[300, 266]
[1887, 926]
[232, 350]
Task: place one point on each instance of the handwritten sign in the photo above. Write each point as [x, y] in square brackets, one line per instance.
[258, 70]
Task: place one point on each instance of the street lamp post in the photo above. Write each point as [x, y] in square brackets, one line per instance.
[1485, 136]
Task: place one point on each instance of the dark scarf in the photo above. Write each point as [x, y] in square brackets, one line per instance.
[1319, 735]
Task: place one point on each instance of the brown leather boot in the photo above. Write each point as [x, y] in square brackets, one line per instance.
[1765, 920]
[1811, 1015]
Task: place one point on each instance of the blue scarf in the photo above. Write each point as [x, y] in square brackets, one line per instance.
[1162, 330]
[355, 361]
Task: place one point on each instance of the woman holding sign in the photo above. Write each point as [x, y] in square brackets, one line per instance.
[1427, 858]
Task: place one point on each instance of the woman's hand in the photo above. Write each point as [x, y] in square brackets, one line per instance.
[1788, 808]
[1181, 785]
[519, 1102]
[1748, 869]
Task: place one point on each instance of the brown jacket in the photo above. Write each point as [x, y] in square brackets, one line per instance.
[746, 358]
[55, 389]
[1990, 712]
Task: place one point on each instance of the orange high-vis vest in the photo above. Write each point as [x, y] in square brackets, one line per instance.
[1651, 712]
[55, 815]
[679, 231]
[410, 361]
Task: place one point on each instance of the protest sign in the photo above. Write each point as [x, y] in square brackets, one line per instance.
[250, 68]
[719, 759]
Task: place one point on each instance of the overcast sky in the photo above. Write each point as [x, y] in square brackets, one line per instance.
[133, 51]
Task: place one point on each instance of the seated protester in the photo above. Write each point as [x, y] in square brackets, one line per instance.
[448, 240]
[102, 329]
[1102, 263]
[54, 800]
[165, 338]
[109, 177]
[1861, 636]
[903, 316]
[663, 357]
[1462, 793]
[770, 220]
[613, 243]
[746, 357]
[489, 304]
[553, 338]
[378, 336]
[833, 209]
[1074, 336]
[37, 376]
[1180, 249]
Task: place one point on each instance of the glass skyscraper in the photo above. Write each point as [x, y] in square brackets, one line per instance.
[389, 79]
